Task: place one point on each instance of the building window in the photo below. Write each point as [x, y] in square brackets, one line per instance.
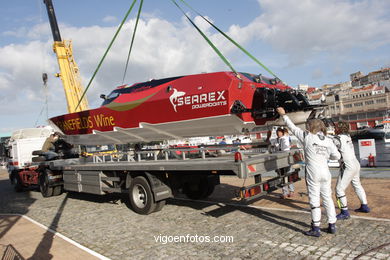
[361, 116]
[348, 105]
[352, 117]
[382, 100]
[358, 104]
[372, 114]
[370, 102]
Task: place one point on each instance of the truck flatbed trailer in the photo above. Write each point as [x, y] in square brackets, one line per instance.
[151, 177]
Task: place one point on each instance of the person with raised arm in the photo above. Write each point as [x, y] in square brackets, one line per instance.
[318, 150]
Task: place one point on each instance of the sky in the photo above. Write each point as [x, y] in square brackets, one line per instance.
[312, 42]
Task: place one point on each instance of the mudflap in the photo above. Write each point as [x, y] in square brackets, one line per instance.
[161, 191]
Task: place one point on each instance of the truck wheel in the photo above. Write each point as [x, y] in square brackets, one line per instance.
[57, 190]
[44, 185]
[160, 205]
[210, 189]
[141, 197]
[196, 191]
[16, 182]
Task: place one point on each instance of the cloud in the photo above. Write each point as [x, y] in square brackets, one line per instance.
[161, 49]
[21, 71]
[16, 33]
[317, 74]
[109, 19]
[303, 28]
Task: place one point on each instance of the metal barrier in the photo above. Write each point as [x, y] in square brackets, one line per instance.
[169, 154]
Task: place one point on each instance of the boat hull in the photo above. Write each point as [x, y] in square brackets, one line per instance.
[196, 105]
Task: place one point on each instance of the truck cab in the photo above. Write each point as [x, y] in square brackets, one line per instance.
[21, 169]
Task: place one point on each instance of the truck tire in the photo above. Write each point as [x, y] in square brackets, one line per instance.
[141, 196]
[16, 182]
[196, 191]
[160, 205]
[44, 185]
[57, 190]
[210, 189]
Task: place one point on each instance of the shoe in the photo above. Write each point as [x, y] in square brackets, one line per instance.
[313, 232]
[332, 228]
[344, 214]
[363, 208]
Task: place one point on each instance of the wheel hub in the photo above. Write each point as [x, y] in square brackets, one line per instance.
[140, 197]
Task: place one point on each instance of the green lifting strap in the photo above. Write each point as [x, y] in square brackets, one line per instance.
[132, 39]
[105, 54]
[231, 40]
[207, 39]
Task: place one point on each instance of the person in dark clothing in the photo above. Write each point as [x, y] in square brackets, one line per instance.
[48, 148]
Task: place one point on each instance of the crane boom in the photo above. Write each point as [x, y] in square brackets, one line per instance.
[69, 71]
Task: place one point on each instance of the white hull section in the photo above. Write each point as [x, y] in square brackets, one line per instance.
[146, 132]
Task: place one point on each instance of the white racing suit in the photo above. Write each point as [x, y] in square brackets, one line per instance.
[318, 150]
[349, 171]
[282, 144]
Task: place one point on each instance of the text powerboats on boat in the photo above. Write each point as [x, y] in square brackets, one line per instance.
[207, 104]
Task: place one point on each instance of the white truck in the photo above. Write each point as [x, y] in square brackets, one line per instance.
[23, 142]
[20, 166]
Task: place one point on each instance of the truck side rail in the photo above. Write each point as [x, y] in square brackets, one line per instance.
[173, 153]
[250, 165]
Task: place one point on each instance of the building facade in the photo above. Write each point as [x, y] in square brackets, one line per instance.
[364, 107]
[363, 102]
[358, 79]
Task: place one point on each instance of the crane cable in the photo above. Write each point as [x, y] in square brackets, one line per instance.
[105, 54]
[224, 59]
[45, 106]
[207, 39]
[132, 40]
[230, 39]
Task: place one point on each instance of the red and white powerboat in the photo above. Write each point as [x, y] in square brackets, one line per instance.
[208, 104]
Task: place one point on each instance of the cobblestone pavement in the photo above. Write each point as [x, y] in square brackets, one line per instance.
[110, 228]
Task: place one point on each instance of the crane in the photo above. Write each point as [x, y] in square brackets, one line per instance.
[69, 71]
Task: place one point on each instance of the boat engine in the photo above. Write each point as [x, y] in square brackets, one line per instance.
[266, 100]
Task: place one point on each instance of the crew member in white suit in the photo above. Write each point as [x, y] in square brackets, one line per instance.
[281, 144]
[349, 172]
[318, 150]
